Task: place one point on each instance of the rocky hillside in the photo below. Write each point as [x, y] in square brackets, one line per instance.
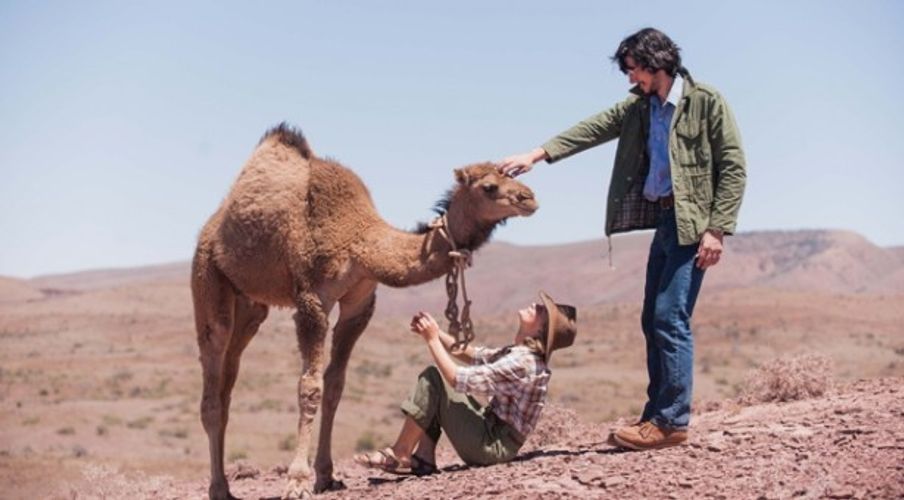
[849, 443]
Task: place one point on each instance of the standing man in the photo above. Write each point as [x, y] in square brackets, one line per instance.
[679, 168]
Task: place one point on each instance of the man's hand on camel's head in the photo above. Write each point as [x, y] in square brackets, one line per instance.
[514, 166]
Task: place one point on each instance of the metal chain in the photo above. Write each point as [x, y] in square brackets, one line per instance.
[460, 326]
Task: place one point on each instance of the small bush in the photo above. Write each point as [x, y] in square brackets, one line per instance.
[373, 368]
[236, 455]
[267, 405]
[178, 433]
[287, 443]
[560, 426]
[111, 420]
[66, 431]
[788, 379]
[366, 442]
[140, 423]
[102, 481]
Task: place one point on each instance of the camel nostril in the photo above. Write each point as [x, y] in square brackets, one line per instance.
[525, 196]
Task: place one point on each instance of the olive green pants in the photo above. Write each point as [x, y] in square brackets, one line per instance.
[478, 436]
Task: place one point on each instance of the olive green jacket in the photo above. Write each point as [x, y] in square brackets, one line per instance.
[706, 162]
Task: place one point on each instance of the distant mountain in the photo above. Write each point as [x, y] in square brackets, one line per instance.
[96, 279]
[837, 261]
[506, 276]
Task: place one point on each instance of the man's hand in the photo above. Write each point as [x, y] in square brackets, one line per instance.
[710, 250]
[514, 166]
[424, 325]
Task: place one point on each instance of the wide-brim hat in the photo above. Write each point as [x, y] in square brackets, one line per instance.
[561, 326]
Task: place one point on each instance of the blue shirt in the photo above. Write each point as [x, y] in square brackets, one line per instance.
[659, 181]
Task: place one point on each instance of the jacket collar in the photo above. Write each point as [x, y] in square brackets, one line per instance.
[677, 91]
[687, 88]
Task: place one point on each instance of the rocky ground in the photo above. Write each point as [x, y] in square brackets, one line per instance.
[848, 443]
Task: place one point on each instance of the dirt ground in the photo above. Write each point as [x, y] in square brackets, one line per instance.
[100, 383]
[847, 444]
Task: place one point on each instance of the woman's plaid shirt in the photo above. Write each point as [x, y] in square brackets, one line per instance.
[515, 378]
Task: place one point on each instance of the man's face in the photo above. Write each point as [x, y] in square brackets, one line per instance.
[648, 82]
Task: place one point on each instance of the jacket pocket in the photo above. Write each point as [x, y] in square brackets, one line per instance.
[693, 150]
[697, 210]
[700, 189]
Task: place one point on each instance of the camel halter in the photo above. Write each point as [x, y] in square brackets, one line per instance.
[461, 259]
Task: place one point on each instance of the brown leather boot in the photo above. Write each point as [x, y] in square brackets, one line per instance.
[647, 436]
[635, 426]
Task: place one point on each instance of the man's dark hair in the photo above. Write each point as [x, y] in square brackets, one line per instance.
[652, 50]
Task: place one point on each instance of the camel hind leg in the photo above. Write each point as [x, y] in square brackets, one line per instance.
[248, 318]
[225, 322]
[214, 302]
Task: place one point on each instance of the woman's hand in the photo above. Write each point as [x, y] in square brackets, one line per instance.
[424, 325]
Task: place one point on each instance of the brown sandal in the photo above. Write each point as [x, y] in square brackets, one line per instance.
[384, 460]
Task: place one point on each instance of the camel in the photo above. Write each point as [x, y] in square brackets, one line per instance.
[300, 231]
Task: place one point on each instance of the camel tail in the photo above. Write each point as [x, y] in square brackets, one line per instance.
[290, 136]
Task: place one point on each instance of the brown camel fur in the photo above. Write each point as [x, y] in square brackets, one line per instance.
[300, 231]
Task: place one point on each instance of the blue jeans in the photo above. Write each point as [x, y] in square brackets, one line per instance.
[673, 282]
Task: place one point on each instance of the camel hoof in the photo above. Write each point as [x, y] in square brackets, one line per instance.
[329, 485]
[298, 489]
[220, 493]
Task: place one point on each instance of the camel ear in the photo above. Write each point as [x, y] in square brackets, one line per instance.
[462, 176]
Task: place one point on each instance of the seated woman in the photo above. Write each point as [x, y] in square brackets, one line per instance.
[515, 377]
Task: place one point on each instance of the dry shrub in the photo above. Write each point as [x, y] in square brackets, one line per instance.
[560, 426]
[105, 482]
[287, 443]
[241, 470]
[788, 379]
[366, 441]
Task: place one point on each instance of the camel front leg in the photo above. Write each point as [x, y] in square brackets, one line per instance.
[355, 313]
[311, 324]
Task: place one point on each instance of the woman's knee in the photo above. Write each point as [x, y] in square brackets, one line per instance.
[432, 374]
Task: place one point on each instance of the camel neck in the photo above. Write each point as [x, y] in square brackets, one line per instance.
[398, 258]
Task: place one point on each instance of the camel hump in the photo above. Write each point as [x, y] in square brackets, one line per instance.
[290, 136]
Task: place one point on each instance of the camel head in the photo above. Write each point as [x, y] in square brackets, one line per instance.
[490, 196]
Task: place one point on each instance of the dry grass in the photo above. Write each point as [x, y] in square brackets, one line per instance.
[105, 482]
[788, 379]
[366, 441]
[559, 425]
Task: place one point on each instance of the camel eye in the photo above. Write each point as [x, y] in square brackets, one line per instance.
[490, 188]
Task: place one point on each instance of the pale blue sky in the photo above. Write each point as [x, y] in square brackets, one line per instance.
[124, 123]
